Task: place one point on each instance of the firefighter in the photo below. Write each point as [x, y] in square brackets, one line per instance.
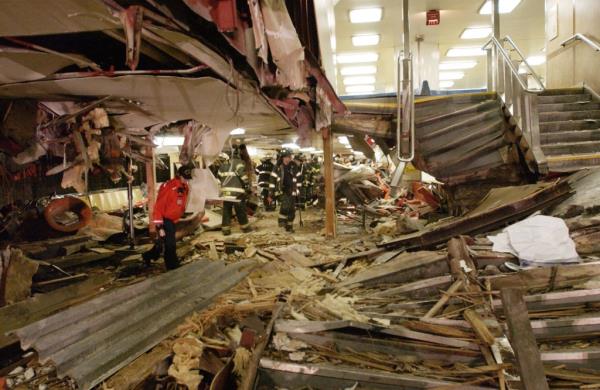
[313, 172]
[234, 186]
[301, 180]
[286, 189]
[168, 209]
[266, 184]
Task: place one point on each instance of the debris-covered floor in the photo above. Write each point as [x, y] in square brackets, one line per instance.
[443, 307]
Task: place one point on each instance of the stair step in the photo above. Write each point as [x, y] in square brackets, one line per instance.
[568, 115]
[573, 162]
[584, 97]
[562, 107]
[462, 136]
[478, 107]
[562, 91]
[562, 148]
[570, 136]
[582, 124]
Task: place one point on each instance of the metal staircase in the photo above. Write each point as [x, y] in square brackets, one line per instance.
[569, 129]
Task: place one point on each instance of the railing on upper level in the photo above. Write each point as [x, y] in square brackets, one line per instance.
[580, 37]
[513, 88]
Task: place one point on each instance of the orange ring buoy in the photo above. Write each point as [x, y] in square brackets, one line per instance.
[62, 205]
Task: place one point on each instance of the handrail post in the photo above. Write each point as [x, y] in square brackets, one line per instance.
[405, 128]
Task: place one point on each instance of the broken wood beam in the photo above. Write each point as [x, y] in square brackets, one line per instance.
[556, 300]
[250, 375]
[444, 299]
[479, 326]
[522, 340]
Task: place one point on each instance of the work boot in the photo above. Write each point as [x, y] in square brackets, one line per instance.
[226, 231]
[289, 229]
[246, 228]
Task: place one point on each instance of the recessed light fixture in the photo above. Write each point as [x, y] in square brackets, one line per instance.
[465, 52]
[476, 33]
[358, 70]
[356, 89]
[168, 140]
[366, 15]
[310, 149]
[455, 65]
[343, 140]
[238, 131]
[451, 75]
[290, 146]
[365, 40]
[351, 58]
[446, 84]
[506, 6]
[536, 60]
[357, 80]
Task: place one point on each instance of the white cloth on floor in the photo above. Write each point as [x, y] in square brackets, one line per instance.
[537, 240]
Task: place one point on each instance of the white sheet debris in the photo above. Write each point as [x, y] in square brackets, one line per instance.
[537, 240]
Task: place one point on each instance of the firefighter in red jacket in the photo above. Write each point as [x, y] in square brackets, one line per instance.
[168, 209]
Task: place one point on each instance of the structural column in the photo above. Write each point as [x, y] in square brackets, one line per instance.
[329, 187]
[493, 62]
[151, 185]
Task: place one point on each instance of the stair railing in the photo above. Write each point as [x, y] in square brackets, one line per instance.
[580, 37]
[513, 88]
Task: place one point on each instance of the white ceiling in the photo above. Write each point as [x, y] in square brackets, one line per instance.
[525, 25]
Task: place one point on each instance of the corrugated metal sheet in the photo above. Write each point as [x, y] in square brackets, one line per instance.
[91, 341]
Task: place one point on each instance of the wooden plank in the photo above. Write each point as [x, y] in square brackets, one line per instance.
[444, 299]
[42, 305]
[431, 285]
[479, 326]
[78, 259]
[330, 219]
[556, 300]
[566, 276]
[522, 340]
[132, 375]
[250, 374]
[295, 258]
[406, 267]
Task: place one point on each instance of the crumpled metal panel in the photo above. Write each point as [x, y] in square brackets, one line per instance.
[21, 18]
[91, 341]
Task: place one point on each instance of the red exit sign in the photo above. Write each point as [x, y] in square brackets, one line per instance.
[433, 17]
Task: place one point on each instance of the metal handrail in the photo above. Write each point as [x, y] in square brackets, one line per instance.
[510, 64]
[580, 37]
[531, 71]
[513, 89]
[405, 120]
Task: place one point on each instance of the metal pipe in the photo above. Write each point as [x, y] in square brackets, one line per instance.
[580, 37]
[532, 72]
[109, 73]
[77, 60]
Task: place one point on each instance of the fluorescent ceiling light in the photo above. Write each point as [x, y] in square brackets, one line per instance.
[357, 89]
[365, 40]
[455, 65]
[351, 58]
[358, 70]
[476, 33]
[451, 75]
[446, 84]
[357, 80]
[168, 140]
[290, 146]
[343, 140]
[506, 6]
[348, 146]
[465, 52]
[310, 149]
[366, 15]
[536, 60]
[358, 153]
[238, 131]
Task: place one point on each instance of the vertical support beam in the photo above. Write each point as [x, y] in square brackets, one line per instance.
[496, 30]
[151, 185]
[329, 187]
[130, 203]
[406, 25]
[522, 340]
